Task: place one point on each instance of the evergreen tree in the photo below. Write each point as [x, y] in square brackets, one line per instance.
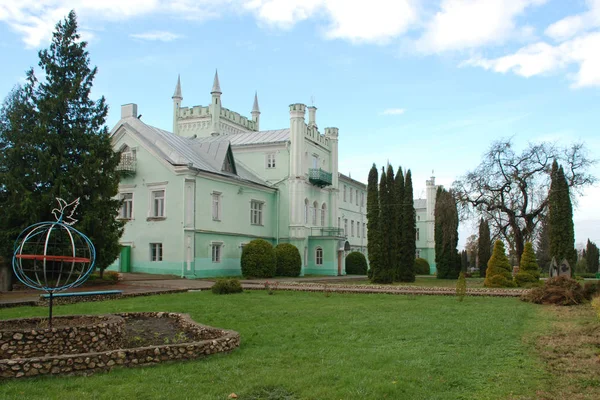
[461, 287]
[447, 258]
[529, 270]
[373, 213]
[464, 261]
[393, 213]
[543, 246]
[399, 199]
[499, 271]
[560, 214]
[592, 257]
[408, 246]
[54, 144]
[386, 271]
[484, 246]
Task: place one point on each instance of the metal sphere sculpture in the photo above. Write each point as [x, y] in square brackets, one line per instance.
[54, 256]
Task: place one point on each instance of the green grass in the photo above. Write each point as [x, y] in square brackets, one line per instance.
[315, 347]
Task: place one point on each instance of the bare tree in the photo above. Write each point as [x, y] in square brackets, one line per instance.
[510, 190]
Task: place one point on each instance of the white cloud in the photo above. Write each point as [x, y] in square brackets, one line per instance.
[162, 36]
[393, 111]
[542, 58]
[375, 22]
[467, 24]
[575, 24]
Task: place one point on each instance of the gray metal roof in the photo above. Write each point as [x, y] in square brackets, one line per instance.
[262, 137]
[420, 203]
[201, 154]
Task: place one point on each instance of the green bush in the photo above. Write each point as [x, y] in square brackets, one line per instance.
[561, 291]
[529, 271]
[591, 289]
[498, 272]
[461, 287]
[289, 262]
[422, 267]
[259, 260]
[586, 275]
[227, 286]
[356, 264]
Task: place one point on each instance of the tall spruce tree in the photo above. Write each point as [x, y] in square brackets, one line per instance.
[55, 144]
[399, 198]
[484, 247]
[464, 261]
[408, 230]
[592, 257]
[386, 272]
[394, 230]
[560, 218]
[447, 258]
[373, 214]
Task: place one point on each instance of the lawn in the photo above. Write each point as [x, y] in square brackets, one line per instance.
[315, 347]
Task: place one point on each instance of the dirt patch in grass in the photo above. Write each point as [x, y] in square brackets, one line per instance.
[57, 322]
[572, 354]
[145, 331]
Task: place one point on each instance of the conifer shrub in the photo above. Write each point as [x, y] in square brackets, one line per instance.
[591, 290]
[356, 264]
[227, 286]
[498, 273]
[289, 262]
[561, 291]
[422, 267]
[529, 270]
[259, 260]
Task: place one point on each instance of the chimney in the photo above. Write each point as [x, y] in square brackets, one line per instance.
[129, 110]
[312, 111]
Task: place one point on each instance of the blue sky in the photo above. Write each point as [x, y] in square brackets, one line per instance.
[425, 84]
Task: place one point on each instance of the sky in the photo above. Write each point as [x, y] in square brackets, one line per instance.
[426, 84]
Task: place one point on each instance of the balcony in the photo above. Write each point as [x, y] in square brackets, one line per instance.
[127, 165]
[318, 177]
[327, 231]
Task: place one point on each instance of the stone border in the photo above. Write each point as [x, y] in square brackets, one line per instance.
[208, 340]
[93, 333]
[386, 289]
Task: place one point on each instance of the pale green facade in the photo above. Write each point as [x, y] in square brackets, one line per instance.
[193, 197]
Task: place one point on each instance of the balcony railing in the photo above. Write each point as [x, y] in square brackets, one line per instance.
[327, 231]
[127, 164]
[318, 177]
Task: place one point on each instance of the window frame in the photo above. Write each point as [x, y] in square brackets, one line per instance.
[270, 160]
[218, 246]
[319, 257]
[218, 196]
[121, 194]
[259, 211]
[152, 188]
[156, 252]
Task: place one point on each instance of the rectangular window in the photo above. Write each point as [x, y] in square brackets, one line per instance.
[216, 206]
[256, 212]
[356, 196]
[364, 230]
[344, 192]
[216, 252]
[127, 207]
[270, 160]
[319, 256]
[350, 195]
[158, 203]
[339, 222]
[417, 233]
[357, 229]
[156, 252]
[362, 199]
[352, 228]
[315, 161]
[346, 227]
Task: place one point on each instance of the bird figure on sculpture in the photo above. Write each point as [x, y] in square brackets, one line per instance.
[65, 213]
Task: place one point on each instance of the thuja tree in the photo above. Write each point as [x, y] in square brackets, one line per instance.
[484, 247]
[499, 271]
[373, 234]
[529, 270]
[399, 199]
[560, 218]
[592, 257]
[447, 258]
[542, 246]
[387, 270]
[408, 232]
[54, 143]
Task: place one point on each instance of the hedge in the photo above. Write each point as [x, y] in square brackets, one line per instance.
[258, 260]
[289, 262]
[422, 267]
[227, 286]
[356, 264]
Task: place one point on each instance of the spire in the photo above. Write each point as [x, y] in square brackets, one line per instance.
[216, 87]
[255, 107]
[177, 94]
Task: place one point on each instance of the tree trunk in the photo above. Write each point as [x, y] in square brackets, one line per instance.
[5, 276]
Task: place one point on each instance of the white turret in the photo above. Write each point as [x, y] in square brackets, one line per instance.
[256, 112]
[333, 135]
[430, 193]
[312, 119]
[215, 105]
[177, 98]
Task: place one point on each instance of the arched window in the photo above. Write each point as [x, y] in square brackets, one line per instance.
[319, 256]
[306, 211]
[323, 212]
[314, 215]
